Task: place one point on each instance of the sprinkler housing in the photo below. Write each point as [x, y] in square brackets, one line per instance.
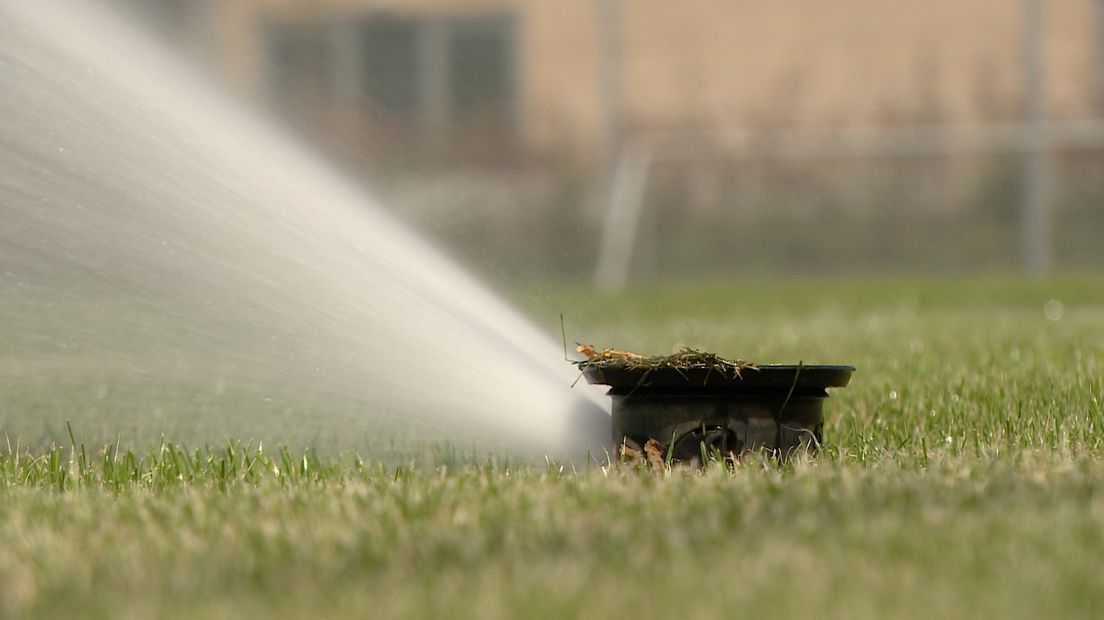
[684, 414]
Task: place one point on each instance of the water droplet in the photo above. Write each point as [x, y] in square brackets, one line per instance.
[1054, 310]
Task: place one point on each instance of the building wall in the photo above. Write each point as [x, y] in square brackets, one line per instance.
[747, 63]
[713, 66]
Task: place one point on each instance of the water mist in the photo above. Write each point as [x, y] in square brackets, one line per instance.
[170, 263]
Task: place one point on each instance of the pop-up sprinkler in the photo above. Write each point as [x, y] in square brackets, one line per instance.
[693, 405]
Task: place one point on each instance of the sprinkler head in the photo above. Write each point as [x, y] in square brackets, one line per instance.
[670, 415]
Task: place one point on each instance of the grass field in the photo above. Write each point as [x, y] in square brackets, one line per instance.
[963, 476]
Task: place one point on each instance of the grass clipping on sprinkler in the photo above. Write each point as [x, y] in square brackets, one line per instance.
[686, 359]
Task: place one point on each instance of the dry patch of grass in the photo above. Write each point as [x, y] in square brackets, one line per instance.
[687, 358]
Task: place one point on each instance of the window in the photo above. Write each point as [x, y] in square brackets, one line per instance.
[299, 62]
[481, 67]
[391, 66]
[427, 82]
[446, 70]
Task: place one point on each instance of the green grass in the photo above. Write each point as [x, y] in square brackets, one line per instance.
[963, 476]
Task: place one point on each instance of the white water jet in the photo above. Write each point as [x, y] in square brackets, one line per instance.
[171, 263]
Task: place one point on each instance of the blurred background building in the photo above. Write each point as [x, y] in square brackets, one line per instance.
[622, 139]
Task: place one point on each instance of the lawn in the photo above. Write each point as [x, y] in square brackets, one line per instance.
[963, 475]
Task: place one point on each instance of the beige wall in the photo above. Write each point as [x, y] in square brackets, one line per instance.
[716, 66]
[818, 63]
